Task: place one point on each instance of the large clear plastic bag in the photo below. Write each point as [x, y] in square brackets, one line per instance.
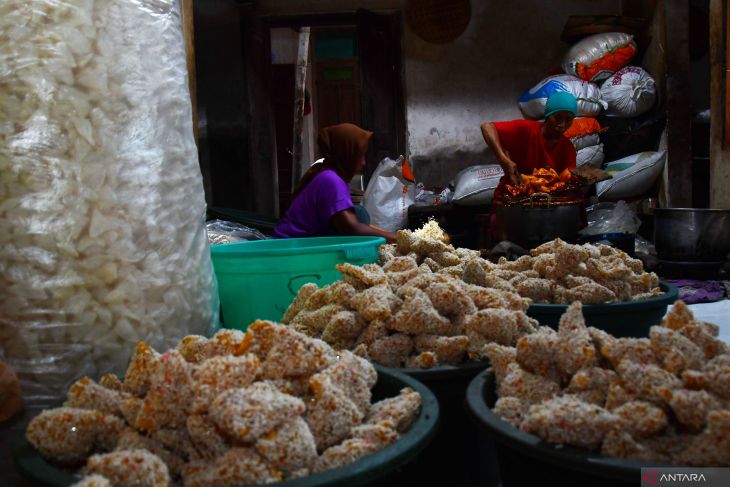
[222, 232]
[608, 217]
[102, 210]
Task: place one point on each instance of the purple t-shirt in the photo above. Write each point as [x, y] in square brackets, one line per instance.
[310, 213]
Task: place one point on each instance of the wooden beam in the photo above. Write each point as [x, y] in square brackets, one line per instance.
[186, 14]
[719, 111]
[679, 157]
[300, 82]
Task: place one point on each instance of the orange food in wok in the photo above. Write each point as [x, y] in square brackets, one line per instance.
[543, 180]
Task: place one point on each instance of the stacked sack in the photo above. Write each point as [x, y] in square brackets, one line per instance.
[584, 134]
[598, 76]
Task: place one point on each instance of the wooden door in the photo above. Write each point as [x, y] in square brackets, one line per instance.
[381, 89]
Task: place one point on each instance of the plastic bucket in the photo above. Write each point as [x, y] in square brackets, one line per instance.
[626, 319]
[259, 279]
[451, 459]
[525, 459]
[383, 468]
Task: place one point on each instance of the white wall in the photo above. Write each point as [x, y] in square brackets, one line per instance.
[450, 89]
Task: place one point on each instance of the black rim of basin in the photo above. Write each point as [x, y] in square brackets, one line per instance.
[563, 456]
[671, 294]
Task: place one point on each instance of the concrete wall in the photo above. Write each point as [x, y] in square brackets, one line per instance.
[450, 89]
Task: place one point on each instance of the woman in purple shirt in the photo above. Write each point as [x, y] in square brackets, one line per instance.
[322, 205]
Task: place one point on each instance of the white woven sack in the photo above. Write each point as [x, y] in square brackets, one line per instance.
[585, 141]
[590, 156]
[636, 175]
[630, 92]
[592, 48]
[475, 185]
[587, 94]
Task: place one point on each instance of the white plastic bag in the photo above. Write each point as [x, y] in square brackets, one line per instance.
[590, 156]
[102, 210]
[596, 57]
[608, 217]
[588, 95]
[475, 185]
[632, 176]
[389, 194]
[630, 92]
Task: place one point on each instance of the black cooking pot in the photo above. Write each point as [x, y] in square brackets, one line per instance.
[692, 234]
[539, 219]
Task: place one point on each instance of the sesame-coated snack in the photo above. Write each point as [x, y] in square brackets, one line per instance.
[141, 367]
[530, 388]
[400, 410]
[500, 357]
[314, 321]
[649, 382]
[536, 352]
[67, 435]
[511, 409]
[641, 419]
[346, 452]
[111, 382]
[617, 396]
[450, 299]
[218, 374]
[295, 354]
[692, 407]
[330, 413]
[225, 342]
[343, 330]
[170, 394]
[132, 440]
[592, 384]
[376, 303]
[382, 433]
[424, 360]
[535, 288]
[574, 351]
[298, 304]
[238, 466]
[354, 376]
[498, 325]
[618, 443]
[362, 277]
[289, 447]
[260, 337]
[392, 350]
[209, 443]
[130, 468]
[248, 412]
[675, 352]
[87, 394]
[417, 315]
[129, 406]
[702, 336]
[710, 448]
[566, 419]
[193, 348]
[448, 350]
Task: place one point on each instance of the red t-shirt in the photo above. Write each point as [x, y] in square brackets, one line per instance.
[525, 145]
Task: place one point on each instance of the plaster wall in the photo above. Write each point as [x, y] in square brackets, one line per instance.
[450, 89]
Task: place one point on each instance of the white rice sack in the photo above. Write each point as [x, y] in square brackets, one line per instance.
[590, 156]
[585, 141]
[596, 57]
[102, 239]
[630, 92]
[588, 95]
[475, 185]
[633, 176]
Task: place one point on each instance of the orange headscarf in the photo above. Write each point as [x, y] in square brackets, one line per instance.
[341, 146]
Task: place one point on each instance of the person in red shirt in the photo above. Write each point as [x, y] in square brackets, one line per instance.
[524, 145]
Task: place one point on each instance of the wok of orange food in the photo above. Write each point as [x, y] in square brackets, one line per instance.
[544, 180]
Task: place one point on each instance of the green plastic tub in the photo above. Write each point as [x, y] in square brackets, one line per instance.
[259, 279]
[627, 319]
[388, 467]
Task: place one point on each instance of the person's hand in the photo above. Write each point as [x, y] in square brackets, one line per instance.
[513, 175]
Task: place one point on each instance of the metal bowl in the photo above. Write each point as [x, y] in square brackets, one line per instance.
[692, 234]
